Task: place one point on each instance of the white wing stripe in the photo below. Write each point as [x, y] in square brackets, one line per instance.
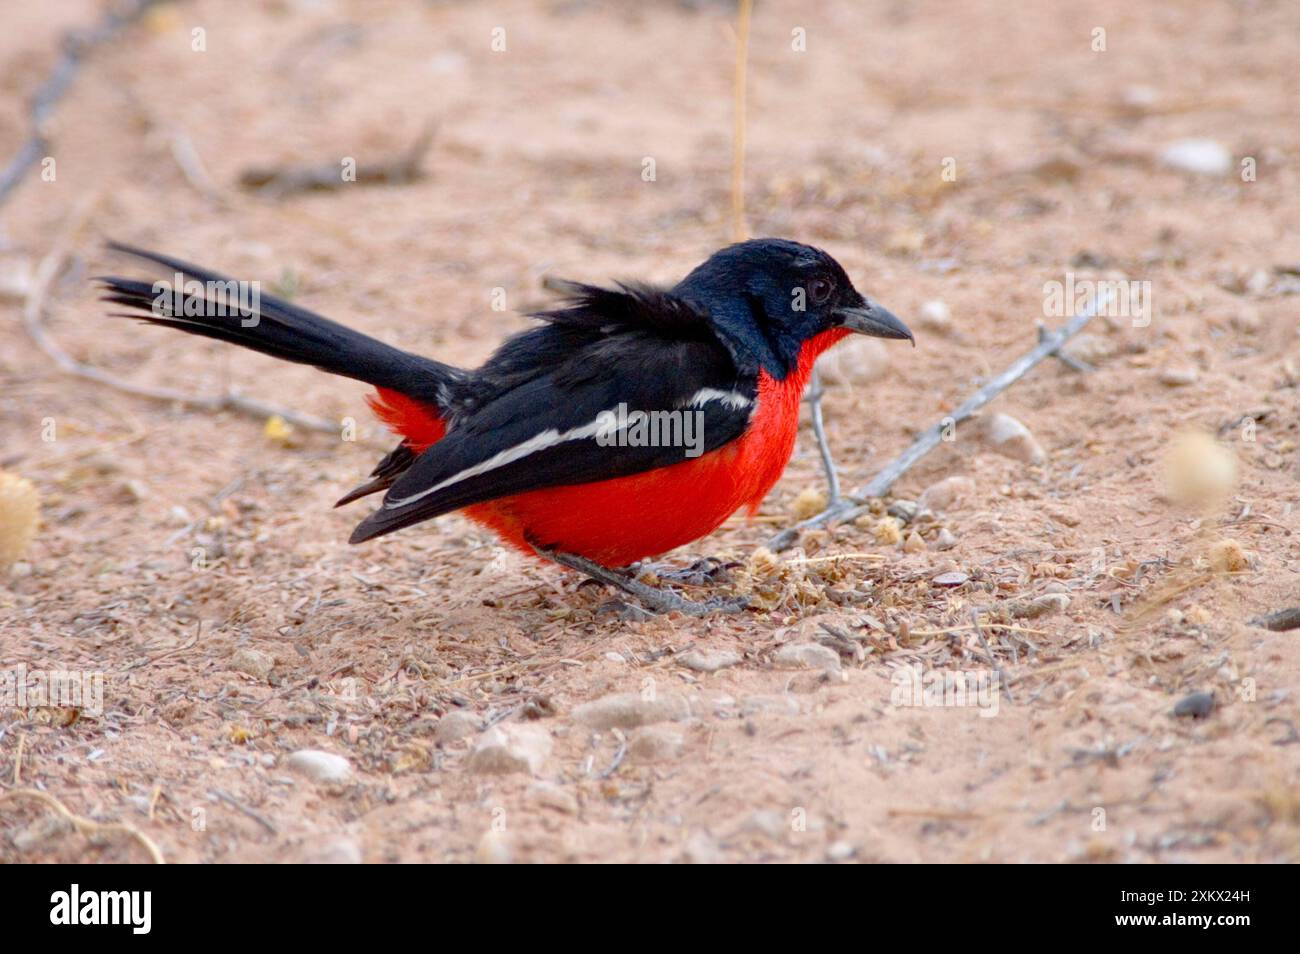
[534, 444]
[732, 399]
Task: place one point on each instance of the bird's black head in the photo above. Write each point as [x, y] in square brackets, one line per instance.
[767, 297]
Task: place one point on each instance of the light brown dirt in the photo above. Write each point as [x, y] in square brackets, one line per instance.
[538, 168]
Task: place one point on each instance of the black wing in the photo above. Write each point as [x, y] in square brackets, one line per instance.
[564, 427]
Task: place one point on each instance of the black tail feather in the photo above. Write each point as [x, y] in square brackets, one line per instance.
[277, 328]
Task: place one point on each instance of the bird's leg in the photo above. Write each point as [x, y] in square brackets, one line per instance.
[653, 598]
[814, 399]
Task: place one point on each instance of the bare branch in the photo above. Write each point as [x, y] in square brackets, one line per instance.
[75, 47]
[851, 506]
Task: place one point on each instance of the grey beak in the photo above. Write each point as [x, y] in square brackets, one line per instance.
[872, 319]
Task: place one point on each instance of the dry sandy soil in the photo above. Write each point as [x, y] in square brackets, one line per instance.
[280, 637]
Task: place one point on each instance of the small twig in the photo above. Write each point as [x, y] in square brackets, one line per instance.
[150, 660]
[18, 758]
[87, 826]
[241, 807]
[849, 507]
[739, 228]
[618, 760]
[1074, 364]
[76, 45]
[1281, 621]
[191, 165]
[814, 399]
[1006, 627]
[278, 182]
[939, 813]
[988, 653]
[834, 557]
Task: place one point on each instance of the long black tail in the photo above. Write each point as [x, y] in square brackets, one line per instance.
[220, 308]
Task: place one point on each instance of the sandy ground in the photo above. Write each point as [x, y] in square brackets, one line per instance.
[197, 564]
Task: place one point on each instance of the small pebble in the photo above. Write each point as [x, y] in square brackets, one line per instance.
[325, 767]
[656, 743]
[254, 662]
[494, 849]
[630, 710]
[1088, 348]
[502, 750]
[811, 655]
[1202, 156]
[702, 660]
[701, 849]
[913, 543]
[944, 540]
[334, 851]
[1198, 470]
[1038, 606]
[554, 797]
[1196, 706]
[758, 705]
[951, 578]
[840, 851]
[1009, 436]
[946, 493]
[935, 316]
[1178, 377]
[457, 724]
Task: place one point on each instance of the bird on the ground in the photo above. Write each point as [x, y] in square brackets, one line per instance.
[557, 443]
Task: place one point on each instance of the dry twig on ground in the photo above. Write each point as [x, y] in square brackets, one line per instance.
[851, 506]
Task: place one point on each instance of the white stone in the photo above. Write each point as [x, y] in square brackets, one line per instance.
[320, 766]
[1203, 156]
[502, 750]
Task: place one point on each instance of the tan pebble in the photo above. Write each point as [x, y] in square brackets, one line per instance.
[1009, 436]
[554, 797]
[946, 493]
[1178, 377]
[656, 744]
[935, 316]
[1198, 470]
[1089, 348]
[913, 543]
[494, 849]
[1247, 319]
[254, 662]
[20, 513]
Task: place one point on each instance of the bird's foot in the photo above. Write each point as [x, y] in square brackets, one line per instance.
[652, 598]
[703, 571]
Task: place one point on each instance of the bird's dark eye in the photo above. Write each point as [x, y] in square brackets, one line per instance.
[820, 289]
